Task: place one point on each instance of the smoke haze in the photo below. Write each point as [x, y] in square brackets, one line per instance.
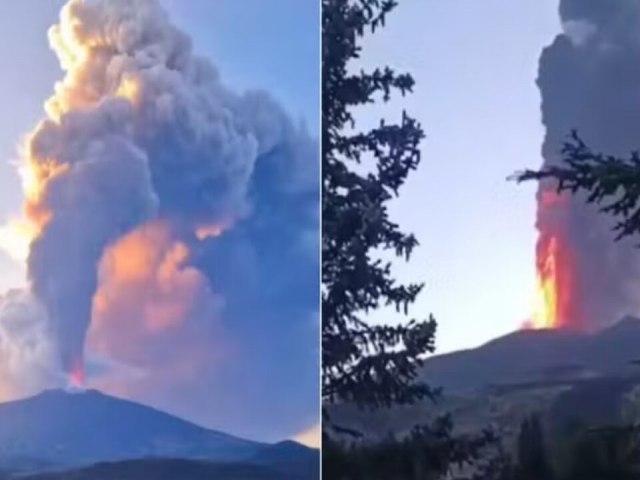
[150, 188]
[589, 79]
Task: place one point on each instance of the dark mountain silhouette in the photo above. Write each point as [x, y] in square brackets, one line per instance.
[60, 430]
[173, 469]
[284, 452]
[539, 355]
[569, 378]
[289, 457]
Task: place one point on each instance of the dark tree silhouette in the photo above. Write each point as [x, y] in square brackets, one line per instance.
[610, 453]
[371, 366]
[610, 182]
[533, 463]
[613, 184]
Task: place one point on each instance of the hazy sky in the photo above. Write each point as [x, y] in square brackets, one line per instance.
[270, 390]
[475, 64]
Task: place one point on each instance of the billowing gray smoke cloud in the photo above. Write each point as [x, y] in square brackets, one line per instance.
[589, 79]
[141, 128]
[105, 192]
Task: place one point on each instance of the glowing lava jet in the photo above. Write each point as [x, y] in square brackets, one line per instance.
[555, 305]
[549, 295]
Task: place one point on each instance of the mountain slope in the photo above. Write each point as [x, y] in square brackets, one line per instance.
[289, 457]
[537, 355]
[59, 428]
[569, 378]
[173, 469]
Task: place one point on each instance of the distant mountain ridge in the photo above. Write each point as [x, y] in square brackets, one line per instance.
[538, 355]
[569, 378]
[58, 429]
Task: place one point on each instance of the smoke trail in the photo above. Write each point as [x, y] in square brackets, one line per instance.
[589, 79]
[139, 130]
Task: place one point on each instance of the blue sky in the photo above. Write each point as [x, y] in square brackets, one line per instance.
[271, 290]
[475, 65]
[276, 49]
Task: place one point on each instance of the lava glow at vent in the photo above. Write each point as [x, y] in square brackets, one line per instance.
[76, 376]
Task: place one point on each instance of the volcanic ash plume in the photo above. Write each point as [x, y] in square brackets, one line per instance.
[589, 79]
[140, 130]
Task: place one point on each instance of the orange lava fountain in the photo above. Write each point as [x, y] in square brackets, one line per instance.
[545, 314]
[555, 306]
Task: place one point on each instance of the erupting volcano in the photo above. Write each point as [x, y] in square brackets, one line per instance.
[556, 305]
[142, 159]
[588, 80]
